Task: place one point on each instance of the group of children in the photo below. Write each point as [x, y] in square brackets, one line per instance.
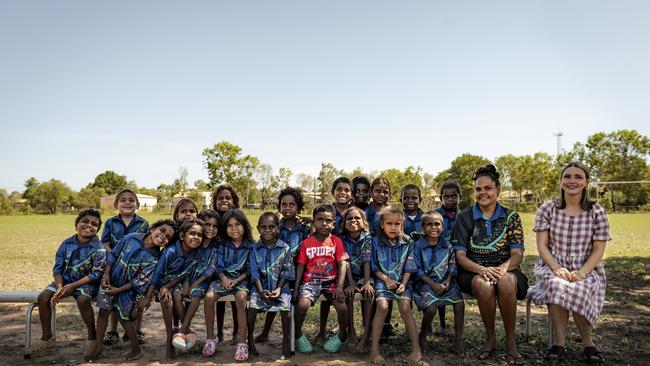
[358, 244]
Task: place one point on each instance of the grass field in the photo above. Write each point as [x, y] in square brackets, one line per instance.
[28, 244]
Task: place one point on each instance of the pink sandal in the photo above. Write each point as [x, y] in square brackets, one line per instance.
[241, 352]
[210, 347]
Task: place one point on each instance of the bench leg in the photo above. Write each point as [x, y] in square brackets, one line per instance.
[527, 318]
[53, 322]
[28, 330]
[292, 332]
[550, 330]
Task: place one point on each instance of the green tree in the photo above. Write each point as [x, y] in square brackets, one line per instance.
[462, 169]
[267, 183]
[180, 185]
[284, 177]
[88, 197]
[201, 185]
[618, 156]
[28, 193]
[225, 164]
[399, 178]
[6, 207]
[305, 182]
[326, 177]
[51, 195]
[110, 181]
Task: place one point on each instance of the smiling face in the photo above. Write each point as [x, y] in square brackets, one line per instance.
[354, 222]
[193, 237]
[391, 225]
[187, 211]
[574, 181]
[268, 230]
[127, 203]
[235, 230]
[288, 207]
[485, 191]
[161, 235]
[224, 201]
[433, 227]
[411, 201]
[361, 194]
[450, 198]
[210, 229]
[342, 194]
[379, 194]
[323, 223]
[87, 227]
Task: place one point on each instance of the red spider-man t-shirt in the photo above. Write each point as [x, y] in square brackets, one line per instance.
[320, 258]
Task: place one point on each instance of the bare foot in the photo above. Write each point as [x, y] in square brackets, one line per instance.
[235, 339]
[171, 353]
[262, 338]
[422, 340]
[353, 340]
[253, 351]
[458, 347]
[362, 347]
[486, 349]
[377, 359]
[414, 357]
[133, 355]
[94, 355]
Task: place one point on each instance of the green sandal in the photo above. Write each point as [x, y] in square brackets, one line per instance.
[334, 344]
[303, 345]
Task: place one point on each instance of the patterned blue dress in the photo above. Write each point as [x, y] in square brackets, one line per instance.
[115, 229]
[173, 264]
[233, 262]
[393, 260]
[360, 252]
[75, 261]
[269, 264]
[436, 262]
[131, 263]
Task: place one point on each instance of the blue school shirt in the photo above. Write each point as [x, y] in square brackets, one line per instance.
[411, 225]
[339, 217]
[374, 220]
[233, 261]
[131, 262]
[293, 236]
[359, 251]
[436, 262]
[392, 260]
[449, 221]
[173, 264]
[269, 264]
[206, 263]
[74, 261]
[115, 229]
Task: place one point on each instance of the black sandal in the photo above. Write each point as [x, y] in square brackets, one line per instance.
[593, 355]
[555, 353]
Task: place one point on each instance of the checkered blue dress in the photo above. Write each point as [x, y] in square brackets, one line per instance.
[570, 242]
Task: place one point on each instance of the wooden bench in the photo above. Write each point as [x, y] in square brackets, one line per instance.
[31, 298]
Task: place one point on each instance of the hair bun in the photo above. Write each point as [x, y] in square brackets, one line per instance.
[487, 170]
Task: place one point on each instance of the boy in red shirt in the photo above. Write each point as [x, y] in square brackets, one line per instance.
[321, 270]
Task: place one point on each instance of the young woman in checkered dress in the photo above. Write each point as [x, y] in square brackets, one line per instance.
[571, 236]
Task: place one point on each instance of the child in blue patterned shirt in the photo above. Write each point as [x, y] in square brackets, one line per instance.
[176, 262]
[436, 285]
[232, 273]
[393, 265]
[411, 198]
[129, 269]
[271, 270]
[358, 244]
[78, 266]
[292, 231]
[115, 228]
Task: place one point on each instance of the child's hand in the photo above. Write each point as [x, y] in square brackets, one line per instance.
[350, 290]
[275, 293]
[228, 284]
[165, 294]
[339, 294]
[400, 289]
[185, 290]
[439, 288]
[106, 280]
[111, 291]
[143, 304]
[294, 297]
[392, 285]
[368, 291]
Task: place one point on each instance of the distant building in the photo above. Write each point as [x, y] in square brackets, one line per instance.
[147, 203]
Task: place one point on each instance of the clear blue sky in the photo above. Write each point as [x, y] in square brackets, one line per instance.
[143, 87]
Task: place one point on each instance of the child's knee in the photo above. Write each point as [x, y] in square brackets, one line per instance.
[404, 307]
[83, 301]
[382, 306]
[45, 296]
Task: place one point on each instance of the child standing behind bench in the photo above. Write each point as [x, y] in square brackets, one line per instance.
[78, 266]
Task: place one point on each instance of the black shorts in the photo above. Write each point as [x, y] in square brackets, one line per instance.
[465, 282]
